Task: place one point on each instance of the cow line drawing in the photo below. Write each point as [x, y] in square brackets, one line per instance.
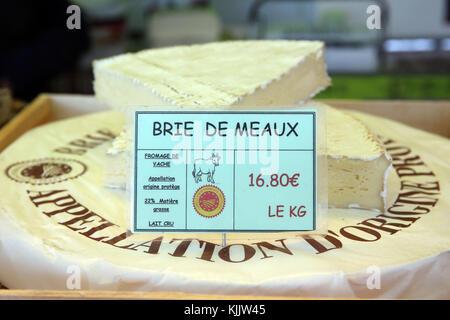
[205, 167]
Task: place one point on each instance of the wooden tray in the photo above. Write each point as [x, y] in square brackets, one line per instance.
[427, 115]
[124, 295]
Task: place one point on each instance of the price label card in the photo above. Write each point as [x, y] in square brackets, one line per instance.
[206, 171]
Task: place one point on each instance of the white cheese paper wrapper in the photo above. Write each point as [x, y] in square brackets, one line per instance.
[57, 221]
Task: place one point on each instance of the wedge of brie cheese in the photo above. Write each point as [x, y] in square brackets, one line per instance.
[259, 72]
[230, 75]
[358, 165]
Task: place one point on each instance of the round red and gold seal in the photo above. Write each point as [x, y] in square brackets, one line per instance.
[209, 201]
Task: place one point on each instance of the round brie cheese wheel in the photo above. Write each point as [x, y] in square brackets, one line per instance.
[60, 228]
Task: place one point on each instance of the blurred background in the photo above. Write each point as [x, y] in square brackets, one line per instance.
[408, 58]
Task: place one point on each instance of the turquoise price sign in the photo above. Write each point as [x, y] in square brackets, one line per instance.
[216, 171]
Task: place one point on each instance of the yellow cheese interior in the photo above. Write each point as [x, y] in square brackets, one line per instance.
[357, 164]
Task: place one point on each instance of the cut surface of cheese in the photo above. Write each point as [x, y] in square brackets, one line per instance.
[256, 72]
[358, 165]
